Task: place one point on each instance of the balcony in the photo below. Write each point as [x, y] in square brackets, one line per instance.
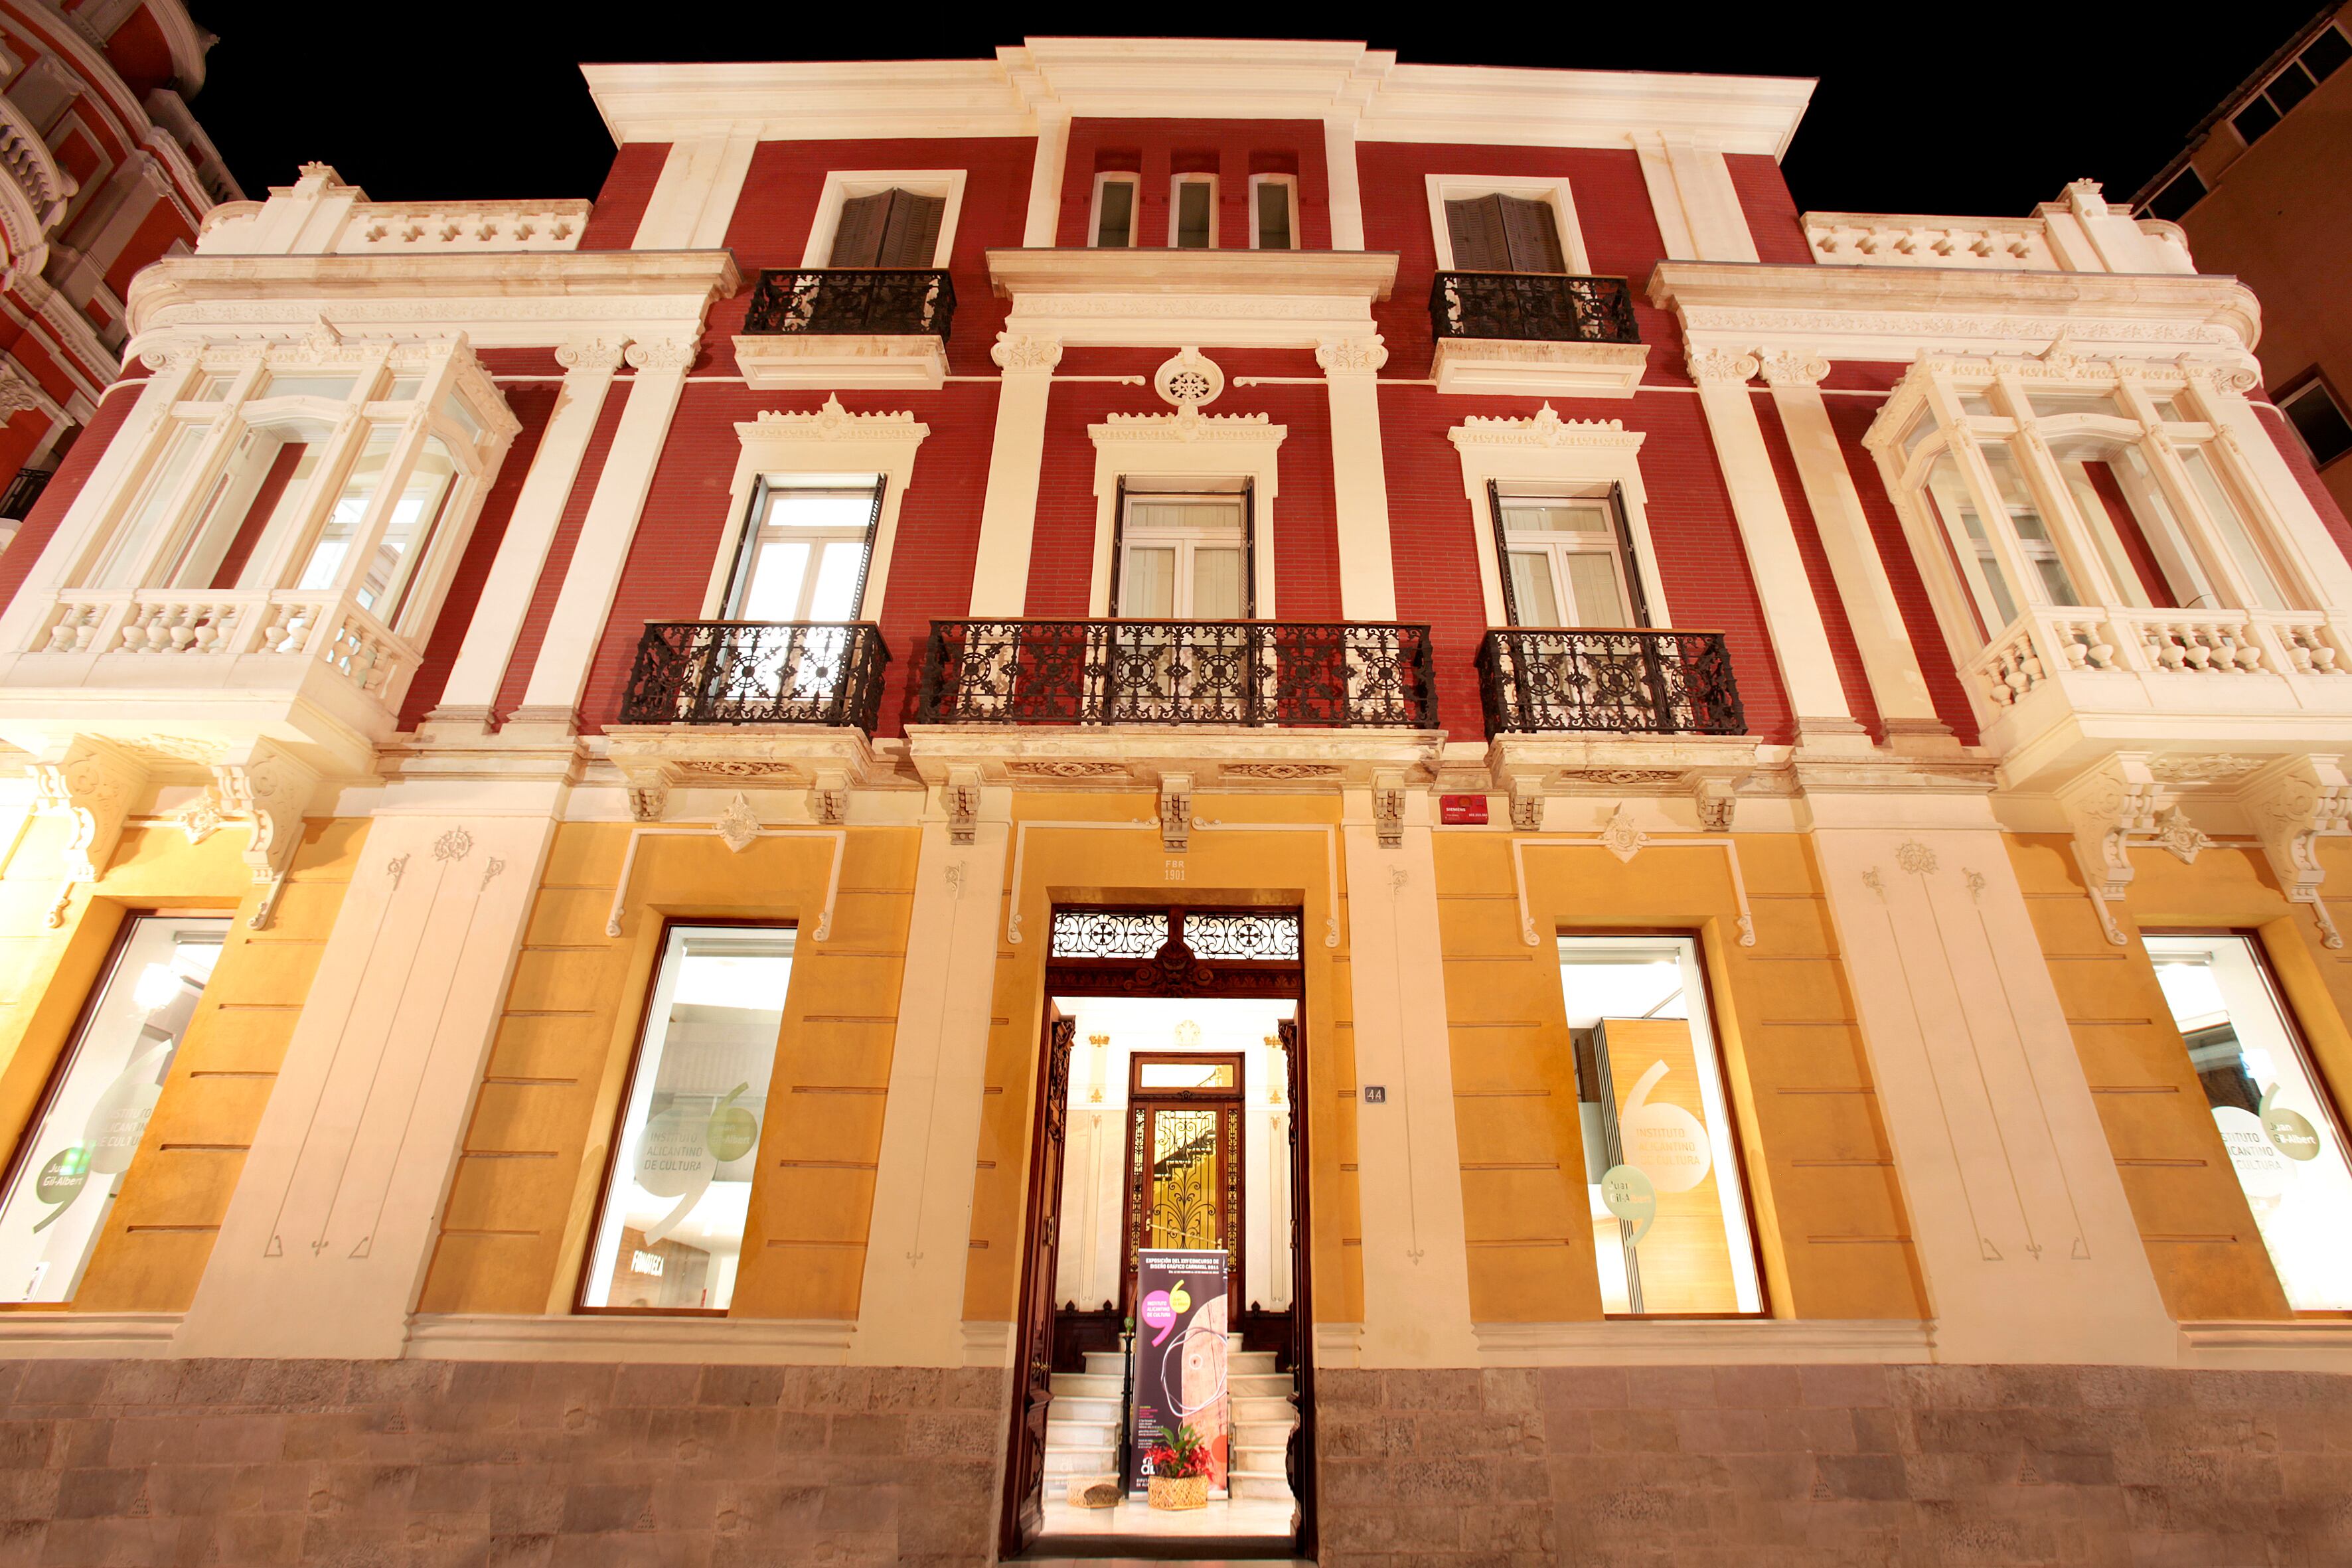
[1551, 334]
[1536, 682]
[757, 672]
[833, 326]
[24, 493]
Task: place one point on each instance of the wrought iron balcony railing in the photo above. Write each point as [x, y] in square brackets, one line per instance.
[1543, 307]
[850, 299]
[1178, 672]
[1658, 682]
[757, 672]
[24, 492]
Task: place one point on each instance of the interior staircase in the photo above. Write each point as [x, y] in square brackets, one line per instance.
[1082, 1424]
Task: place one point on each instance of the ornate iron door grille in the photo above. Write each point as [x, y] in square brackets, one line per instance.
[1334, 673]
[1662, 682]
[757, 672]
[1542, 307]
[883, 300]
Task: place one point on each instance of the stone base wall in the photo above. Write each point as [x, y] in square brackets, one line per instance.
[1837, 1467]
[420, 1464]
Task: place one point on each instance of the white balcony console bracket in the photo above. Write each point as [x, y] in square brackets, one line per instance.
[2292, 803]
[97, 785]
[2106, 807]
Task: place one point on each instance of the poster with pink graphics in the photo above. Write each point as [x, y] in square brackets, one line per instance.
[1180, 1359]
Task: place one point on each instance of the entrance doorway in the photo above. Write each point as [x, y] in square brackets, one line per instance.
[1166, 1138]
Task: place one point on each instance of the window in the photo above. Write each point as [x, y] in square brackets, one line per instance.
[1502, 233]
[2295, 82]
[70, 1168]
[1670, 1227]
[1565, 562]
[670, 1234]
[1193, 212]
[2285, 1142]
[888, 228]
[2319, 419]
[1274, 212]
[805, 558]
[2184, 190]
[1114, 216]
[1185, 558]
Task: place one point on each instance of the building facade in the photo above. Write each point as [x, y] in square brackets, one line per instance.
[108, 171]
[1738, 805]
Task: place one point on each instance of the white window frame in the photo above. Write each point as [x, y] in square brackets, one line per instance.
[1554, 194]
[841, 185]
[1160, 455]
[1184, 541]
[821, 537]
[1290, 184]
[1590, 457]
[1176, 183]
[1553, 545]
[807, 449]
[1134, 208]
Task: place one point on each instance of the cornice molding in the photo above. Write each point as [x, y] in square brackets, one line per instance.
[1545, 428]
[831, 423]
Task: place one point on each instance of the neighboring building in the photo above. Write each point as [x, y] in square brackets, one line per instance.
[658, 843]
[107, 172]
[2264, 191]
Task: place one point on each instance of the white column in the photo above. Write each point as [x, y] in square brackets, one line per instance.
[586, 599]
[1359, 485]
[331, 1227]
[1415, 1253]
[474, 679]
[695, 196]
[1008, 509]
[1800, 641]
[1879, 630]
[1044, 215]
[910, 1307]
[2017, 1215]
[1341, 176]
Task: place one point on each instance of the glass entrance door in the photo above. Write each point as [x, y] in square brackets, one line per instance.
[1184, 1167]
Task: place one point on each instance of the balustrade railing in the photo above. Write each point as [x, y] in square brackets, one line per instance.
[1543, 307]
[757, 672]
[850, 299]
[163, 623]
[1334, 673]
[2049, 642]
[1658, 682]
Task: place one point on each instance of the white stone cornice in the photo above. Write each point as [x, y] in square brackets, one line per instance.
[1188, 425]
[1187, 299]
[831, 423]
[1545, 429]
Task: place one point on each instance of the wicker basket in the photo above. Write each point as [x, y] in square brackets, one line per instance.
[1175, 1492]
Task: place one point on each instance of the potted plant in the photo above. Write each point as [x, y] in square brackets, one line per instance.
[1180, 1469]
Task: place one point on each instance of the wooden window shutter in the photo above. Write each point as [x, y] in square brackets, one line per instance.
[858, 239]
[866, 560]
[1249, 549]
[1475, 227]
[1117, 541]
[1533, 237]
[1502, 552]
[1634, 597]
[738, 580]
[911, 235]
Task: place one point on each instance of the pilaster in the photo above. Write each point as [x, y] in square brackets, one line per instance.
[695, 196]
[1340, 176]
[1360, 486]
[1008, 509]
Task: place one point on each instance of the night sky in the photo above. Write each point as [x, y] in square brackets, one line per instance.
[1920, 109]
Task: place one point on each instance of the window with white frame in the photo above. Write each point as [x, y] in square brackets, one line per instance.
[1112, 224]
[1183, 556]
[804, 558]
[2103, 491]
[1193, 212]
[1565, 561]
[890, 218]
[1274, 212]
[1481, 224]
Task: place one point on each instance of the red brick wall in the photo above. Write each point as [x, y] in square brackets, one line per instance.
[622, 203]
[33, 536]
[154, 235]
[558, 550]
[1771, 210]
[1232, 150]
[2314, 489]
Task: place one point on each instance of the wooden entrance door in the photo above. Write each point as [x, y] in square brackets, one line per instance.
[1024, 1472]
[1183, 1160]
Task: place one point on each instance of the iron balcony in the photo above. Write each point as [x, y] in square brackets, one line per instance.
[757, 672]
[1540, 307]
[1532, 680]
[850, 299]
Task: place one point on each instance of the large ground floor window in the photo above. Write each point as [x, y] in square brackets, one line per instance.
[2277, 1122]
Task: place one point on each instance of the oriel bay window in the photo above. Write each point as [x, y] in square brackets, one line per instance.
[1671, 1232]
[669, 1226]
[69, 1167]
[2278, 1124]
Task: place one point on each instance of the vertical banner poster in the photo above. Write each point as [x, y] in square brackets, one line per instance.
[1179, 1357]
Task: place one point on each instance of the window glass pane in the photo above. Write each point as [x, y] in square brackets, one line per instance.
[1195, 200]
[2169, 409]
[334, 388]
[1531, 589]
[1592, 583]
[2232, 528]
[114, 568]
[209, 389]
[454, 409]
[1216, 584]
[2254, 119]
[850, 509]
[2289, 88]
[404, 388]
[1209, 515]
[254, 572]
[2106, 533]
[71, 1165]
[1587, 517]
[1977, 404]
[2325, 53]
[672, 1228]
[2320, 423]
[1273, 216]
[2033, 534]
[1147, 584]
[1117, 223]
[1670, 1225]
[334, 541]
[2284, 1143]
[1184, 1075]
[408, 535]
[835, 597]
[1922, 425]
[778, 569]
[2050, 405]
[1950, 498]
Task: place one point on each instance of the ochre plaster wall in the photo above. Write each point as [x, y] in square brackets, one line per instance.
[1090, 866]
[1829, 1216]
[2201, 1242]
[522, 1205]
[155, 1243]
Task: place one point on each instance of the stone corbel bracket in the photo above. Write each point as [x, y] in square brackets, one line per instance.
[2107, 807]
[2292, 803]
[959, 798]
[1175, 812]
[270, 788]
[649, 782]
[1388, 809]
[96, 784]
